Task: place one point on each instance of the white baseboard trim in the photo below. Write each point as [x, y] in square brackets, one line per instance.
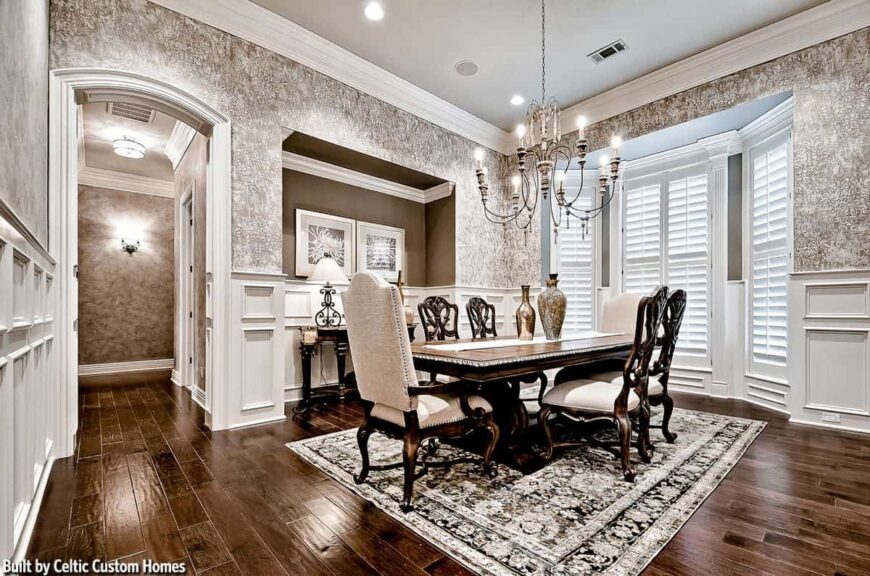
[175, 377]
[32, 514]
[122, 367]
[268, 420]
[198, 396]
[829, 426]
[762, 404]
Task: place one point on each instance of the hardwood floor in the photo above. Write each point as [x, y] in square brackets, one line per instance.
[151, 482]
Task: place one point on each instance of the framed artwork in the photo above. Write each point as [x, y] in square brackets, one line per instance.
[318, 235]
[380, 250]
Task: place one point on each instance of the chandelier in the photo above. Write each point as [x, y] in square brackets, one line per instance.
[541, 166]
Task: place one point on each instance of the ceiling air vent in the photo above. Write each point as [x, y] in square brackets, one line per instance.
[608, 51]
[132, 111]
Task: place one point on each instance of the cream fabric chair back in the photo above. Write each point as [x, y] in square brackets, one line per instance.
[379, 343]
[620, 314]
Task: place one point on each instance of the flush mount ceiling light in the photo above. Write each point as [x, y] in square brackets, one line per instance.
[517, 100]
[128, 148]
[374, 11]
[466, 68]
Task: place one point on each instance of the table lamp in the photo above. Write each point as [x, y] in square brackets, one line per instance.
[327, 270]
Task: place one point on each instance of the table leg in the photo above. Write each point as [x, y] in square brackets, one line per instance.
[340, 360]
[306, 351]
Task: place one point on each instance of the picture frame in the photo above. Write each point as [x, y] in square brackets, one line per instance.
[380, 250]
[318, 234]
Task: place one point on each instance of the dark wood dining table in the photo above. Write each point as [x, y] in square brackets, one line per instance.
[496, 373]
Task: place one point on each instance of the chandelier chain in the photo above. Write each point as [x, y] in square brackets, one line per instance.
[543, 53]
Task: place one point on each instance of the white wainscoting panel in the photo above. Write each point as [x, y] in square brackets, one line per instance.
[31, 398]
[829, 348]
[256, 391]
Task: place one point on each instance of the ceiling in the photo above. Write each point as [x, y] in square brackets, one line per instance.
[101, 128]
[422, 41]
[324, 151]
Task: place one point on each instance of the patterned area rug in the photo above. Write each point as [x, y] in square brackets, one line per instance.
[574, 516]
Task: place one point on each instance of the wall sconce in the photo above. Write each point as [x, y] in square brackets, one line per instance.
[129, 246]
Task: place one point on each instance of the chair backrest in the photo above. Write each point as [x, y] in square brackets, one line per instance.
[379, 343]
[440, 318]
[619, 314]
[671, 323]
[650, 312]
[481, 316]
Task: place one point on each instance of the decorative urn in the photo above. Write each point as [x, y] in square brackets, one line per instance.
[552, 305]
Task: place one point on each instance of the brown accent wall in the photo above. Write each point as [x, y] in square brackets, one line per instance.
[24, 112]
[441, 242]
[307, 192]
[126, 301]
[192, 171]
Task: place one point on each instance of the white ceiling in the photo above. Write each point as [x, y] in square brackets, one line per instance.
[101, 128]
[420, 41]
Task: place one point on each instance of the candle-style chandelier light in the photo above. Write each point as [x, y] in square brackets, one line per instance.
[542, 164]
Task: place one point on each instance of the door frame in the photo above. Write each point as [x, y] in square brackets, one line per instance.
[187, 364]
[63, 214]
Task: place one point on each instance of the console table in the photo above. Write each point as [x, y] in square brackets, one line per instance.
[338, 337]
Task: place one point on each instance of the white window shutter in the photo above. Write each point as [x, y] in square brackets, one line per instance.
[769, 177]
[576, 269]
[688, 255]
[642, 237]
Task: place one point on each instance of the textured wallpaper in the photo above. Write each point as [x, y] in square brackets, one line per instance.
[263, 92]
[831, 86]
[24, 111]
[126, 301]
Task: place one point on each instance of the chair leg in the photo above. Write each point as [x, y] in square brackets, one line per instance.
[543, 418]
[492, 428]
[623, 425]
[643, 442]
[409, 461]
[668, 404]
[362, 438]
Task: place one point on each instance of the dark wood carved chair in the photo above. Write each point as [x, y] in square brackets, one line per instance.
[616, 401]
[481, 316]
[660, 371]
[395, 403]
[440, 318]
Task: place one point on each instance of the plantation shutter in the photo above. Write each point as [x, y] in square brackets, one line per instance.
[688, 254]
[769, 174]
[642, 235]
[575, 270]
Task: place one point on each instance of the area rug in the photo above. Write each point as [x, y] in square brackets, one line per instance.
[574, 516]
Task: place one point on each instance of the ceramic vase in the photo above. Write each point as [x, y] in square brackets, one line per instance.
[526, 317]
[552, 305]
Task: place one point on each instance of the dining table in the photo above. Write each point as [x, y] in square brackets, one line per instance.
[495, 366]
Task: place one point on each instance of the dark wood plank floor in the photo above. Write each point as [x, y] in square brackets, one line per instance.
[151, 482]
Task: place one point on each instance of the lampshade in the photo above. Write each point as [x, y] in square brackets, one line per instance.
[328, 270]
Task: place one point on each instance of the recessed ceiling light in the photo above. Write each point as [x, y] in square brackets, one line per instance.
[517, 100]
[374, 11]
[466, 68]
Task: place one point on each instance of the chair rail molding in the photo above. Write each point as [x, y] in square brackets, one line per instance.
[299, 163]
[63, 230]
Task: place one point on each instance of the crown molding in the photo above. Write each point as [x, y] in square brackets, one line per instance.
[126, 182]
[291, 161]
[770, 123]
[824, 22]
[177, 143]
[256, 24]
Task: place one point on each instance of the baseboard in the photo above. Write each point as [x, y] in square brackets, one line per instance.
[122, 367]
[197, 394]
[32, 514]
[829, 426]
[175, 377]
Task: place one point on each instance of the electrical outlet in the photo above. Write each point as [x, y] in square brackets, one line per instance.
[832, 417]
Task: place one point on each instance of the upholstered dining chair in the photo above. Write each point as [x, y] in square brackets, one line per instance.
[395, 403]
[660, 371]
[481, 317]
[440, 318]
[618, 314]
[584, 400]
